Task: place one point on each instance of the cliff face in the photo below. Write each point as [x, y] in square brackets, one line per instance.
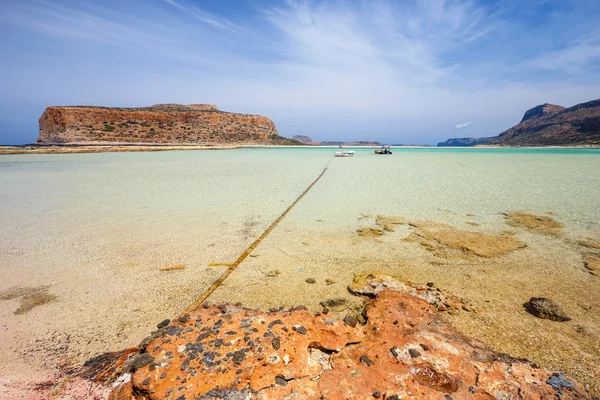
[542, 111]
[161, 123]
[547, 125]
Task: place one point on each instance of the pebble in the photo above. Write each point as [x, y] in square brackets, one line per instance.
[414, 353]
[366, 360]
[163, 323]
[310, 280]
[280, 381]
[350, 321]
[301, 330]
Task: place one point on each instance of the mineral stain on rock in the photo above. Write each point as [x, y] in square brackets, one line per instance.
[29, 297]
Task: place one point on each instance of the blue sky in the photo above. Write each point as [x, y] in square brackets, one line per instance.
[397, 71]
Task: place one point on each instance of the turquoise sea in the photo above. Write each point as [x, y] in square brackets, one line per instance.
[94, 230]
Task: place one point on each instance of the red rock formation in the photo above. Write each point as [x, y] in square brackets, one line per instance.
[162, 123]
[403, 351]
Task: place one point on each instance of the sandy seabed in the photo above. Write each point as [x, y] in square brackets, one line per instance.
[70, 292]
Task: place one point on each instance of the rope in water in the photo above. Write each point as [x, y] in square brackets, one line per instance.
[249, 250]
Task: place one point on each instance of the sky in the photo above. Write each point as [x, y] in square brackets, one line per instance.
[396, 71]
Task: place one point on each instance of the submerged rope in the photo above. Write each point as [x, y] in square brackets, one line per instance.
[249, 250]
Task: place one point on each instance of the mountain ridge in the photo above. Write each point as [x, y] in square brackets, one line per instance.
[547, 125]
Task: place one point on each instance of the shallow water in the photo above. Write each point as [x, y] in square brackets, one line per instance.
[96, 228]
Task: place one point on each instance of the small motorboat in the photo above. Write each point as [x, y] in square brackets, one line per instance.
[345, 153]
[384, 150]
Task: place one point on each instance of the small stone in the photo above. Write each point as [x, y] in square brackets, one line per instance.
[425, 347]
[238, 357]
[361, 319]
[467, 308]
[301, 330]
[273, 273]
[163, 323]
[430, 284]
[558, 381]
[310, 280]
[350, 321]
[366, 360]
[377, 395]
[546, 308]
[276, 343]
[329, 281]
[146, 382]
[414, 353]
[279, 380]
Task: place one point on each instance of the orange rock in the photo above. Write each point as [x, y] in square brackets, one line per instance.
[162, 123]
[404, 350]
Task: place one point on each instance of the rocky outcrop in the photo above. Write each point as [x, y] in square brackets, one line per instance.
[547, 125]
[403, 350]
[542, 111]
[161, 123]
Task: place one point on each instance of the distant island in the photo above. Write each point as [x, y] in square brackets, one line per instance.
[309, 142]
[158, 124]
[546, 125]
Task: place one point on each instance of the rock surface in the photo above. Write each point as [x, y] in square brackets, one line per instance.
[162, 123]
[405, 350]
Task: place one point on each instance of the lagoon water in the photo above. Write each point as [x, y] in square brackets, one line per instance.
[92, 230]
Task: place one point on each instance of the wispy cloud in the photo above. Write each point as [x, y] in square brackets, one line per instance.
[352, 68]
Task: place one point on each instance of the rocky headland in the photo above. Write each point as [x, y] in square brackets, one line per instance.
[547, 125]
[161, 123]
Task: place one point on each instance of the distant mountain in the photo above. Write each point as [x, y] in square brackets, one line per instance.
[304, 140]
[464, 142]
[307, 140]
[547, 125]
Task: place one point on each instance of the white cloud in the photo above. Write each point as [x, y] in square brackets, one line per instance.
[379, 69]
[460, 126]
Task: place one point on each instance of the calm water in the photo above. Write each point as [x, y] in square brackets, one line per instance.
[64, 210]
[96, 228]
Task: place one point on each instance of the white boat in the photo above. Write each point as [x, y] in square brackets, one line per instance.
[345, 153]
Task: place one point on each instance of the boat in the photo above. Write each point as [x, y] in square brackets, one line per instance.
[384, 150]
[345, 153]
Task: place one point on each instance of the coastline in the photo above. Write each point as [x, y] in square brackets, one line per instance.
[106, 148]
[81, 148]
